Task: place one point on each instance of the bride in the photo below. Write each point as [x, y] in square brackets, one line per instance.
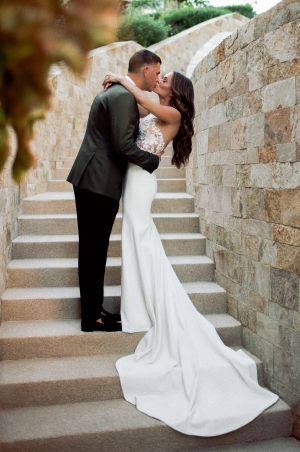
[181, 372]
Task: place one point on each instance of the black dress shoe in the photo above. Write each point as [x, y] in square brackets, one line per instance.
[105, 315]
[97, 326]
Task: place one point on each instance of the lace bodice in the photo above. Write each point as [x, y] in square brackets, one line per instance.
[150, 137]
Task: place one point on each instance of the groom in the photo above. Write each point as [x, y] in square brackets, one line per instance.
[97, 175]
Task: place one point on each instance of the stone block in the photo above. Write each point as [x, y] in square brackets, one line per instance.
[218, 54]
[261, 175]
[286, 152]
[225, 136]
[279, 95]
[218, 97]
[216, 115]
[267, 154]
[288, 258]
[231, 43]
[273, 332]
[253, 204]
[211, 82]
[214, 174]
[225, 72]
[255, 130]
[286, 234]
[255, 52]
[283, 44]
[246, 34]
[235, 107]
[220, 199]
[253, 102]
[297, 81]
[243, 176]
[283, 206]
[277, 127]
[268, 252]
[286, 175]
[229, 175]
[202, 142]
[284, 288]
[232, 306]
[239, 86]
[287, 369]
[262, 279]
[281, 314]
[239, 134]
[250, 246]
[236, 202]
[252, 155]
[256, 276]
[256, 227]
[228, 264]
[213, 139]
[231, 240]
[254, 300]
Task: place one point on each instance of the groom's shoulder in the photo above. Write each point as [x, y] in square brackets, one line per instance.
[117, 91]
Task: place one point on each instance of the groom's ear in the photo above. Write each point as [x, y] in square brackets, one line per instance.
[145, 70]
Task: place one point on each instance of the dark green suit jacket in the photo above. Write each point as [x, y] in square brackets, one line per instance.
[109, 144]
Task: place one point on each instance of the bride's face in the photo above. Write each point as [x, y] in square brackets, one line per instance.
[163, 87]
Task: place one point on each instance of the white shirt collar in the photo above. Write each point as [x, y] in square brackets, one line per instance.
[130, 79]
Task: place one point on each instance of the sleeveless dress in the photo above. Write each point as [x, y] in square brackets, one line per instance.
[181, 372]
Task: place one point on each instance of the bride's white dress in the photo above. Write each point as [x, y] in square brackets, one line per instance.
[181, 371]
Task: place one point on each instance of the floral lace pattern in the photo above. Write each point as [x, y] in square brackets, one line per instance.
[150, 137]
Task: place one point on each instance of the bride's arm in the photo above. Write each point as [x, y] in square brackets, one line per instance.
[164, 113]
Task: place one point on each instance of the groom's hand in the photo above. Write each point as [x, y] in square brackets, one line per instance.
[159, 154]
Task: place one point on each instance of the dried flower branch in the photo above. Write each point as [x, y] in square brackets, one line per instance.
[35, 34]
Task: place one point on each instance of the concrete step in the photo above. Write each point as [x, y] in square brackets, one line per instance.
[46, 303]
[56, 338]
[54, 246]
[161, 172]
[63, 202]
[116, 425]
[67, 223]
[50, 381]
[63, 271]
[163, 185]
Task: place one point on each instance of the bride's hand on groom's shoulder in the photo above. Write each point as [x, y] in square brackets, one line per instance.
[109, 79]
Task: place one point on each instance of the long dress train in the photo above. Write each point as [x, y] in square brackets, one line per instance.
[181, 372]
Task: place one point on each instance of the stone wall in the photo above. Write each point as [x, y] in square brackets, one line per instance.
[177, 51]
[58, 136]
[245, 174]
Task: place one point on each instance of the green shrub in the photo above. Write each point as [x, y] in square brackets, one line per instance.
[186, 17]
[246, 10]
[142, 29]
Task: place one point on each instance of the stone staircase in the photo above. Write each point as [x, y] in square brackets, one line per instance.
[59, 387]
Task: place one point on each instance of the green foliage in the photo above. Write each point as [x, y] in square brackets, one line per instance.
[246, 10]
[194, 3]
[34, 35]
[186, 17]
[142, 29]
[138, 4]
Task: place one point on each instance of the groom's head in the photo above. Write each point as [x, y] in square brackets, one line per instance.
[144, 69]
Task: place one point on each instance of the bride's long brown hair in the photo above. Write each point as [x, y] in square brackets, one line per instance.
[183, 100]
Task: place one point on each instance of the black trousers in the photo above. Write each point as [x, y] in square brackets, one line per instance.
[95, 217]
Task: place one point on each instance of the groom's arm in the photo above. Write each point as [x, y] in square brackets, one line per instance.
[123, 118]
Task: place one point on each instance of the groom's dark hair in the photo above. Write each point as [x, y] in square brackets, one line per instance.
[141, 58]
